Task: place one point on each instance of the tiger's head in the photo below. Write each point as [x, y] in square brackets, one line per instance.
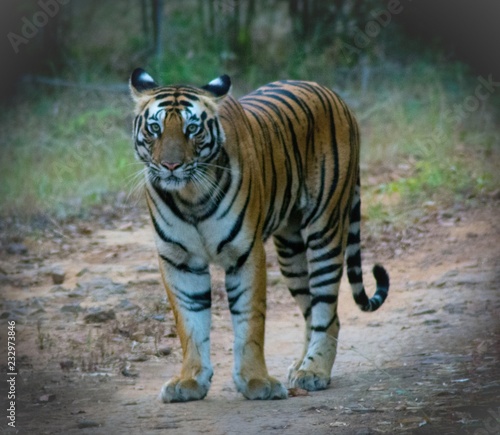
[177, 132]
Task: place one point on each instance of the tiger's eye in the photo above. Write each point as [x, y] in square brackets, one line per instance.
[192, 128]
[155, 128]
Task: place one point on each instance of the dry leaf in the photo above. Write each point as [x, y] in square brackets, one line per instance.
[297, 392]
[339, 424]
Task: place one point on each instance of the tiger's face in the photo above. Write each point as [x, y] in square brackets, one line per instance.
[177, 132]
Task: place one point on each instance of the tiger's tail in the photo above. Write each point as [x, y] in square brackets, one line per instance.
[353, 261]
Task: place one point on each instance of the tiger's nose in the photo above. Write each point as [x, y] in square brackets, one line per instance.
[172, 166]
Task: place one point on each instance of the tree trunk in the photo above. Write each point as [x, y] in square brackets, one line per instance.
[158, 7]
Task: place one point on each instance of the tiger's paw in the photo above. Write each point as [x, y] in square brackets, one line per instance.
[308, 380]
[183, 390]
[262, 389]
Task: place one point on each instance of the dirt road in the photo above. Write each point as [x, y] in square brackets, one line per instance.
[93, 351]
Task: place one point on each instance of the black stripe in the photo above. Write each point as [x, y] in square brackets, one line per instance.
[183, 267]
[233, 300]
[326, 282]
[226, 211]
[362, 300]
[287, 248]
[318, 200]
[287, 274]
[326, 240]
[236, 227]
[194, 301]
[356, 212]
[299, 291]
[168, 200]
[333, 135]
[324, 328]
[331, 225]
[326, 299]
[267, 139]
[328, 255]
[307, 313]
[163, 236]
[244, 257]
[324, 270]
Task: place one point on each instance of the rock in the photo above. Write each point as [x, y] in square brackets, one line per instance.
[144, 282]
[47, 398]
[470, 279]
[99, 315]
[102, 288]
[165, 426]
[126, 305]
[82, 272]
[20, 311]
[71, 308]
[126, 226]
[84, 424]
[129, 372]
[38, 303]
[138, 336]
[59, 289]
[77, 293]
[458, 308]
[141, 357]
[423, 313]
[164, 350]
[58, 275]
[17, 249]
[84, 229]
[67, 365]
[146, 268]
[78, 411]
[98, 282]
[12, 316]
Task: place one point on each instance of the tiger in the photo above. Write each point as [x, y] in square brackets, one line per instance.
[222, 176]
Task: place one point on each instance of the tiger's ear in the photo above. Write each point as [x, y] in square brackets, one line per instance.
[219, 87]
[140, 83]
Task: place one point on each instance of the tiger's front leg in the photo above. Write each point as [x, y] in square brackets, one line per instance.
[188, 289]
[246, 289]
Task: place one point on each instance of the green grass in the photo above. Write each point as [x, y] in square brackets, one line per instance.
[411, 132]
[64, 152]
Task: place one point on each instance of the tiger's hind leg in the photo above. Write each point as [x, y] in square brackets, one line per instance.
[292, 260]
[325, 241]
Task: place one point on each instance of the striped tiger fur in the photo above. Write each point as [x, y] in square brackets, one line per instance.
[224, 175]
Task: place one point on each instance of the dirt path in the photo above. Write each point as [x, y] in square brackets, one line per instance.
[93, 351]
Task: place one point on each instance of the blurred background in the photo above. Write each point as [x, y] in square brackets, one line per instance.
[423, 78]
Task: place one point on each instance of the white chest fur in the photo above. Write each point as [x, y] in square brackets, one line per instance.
[203, 243]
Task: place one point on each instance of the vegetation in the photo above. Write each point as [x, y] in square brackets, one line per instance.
[427, 137]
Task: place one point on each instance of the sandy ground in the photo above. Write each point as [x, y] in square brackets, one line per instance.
[93, 351]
